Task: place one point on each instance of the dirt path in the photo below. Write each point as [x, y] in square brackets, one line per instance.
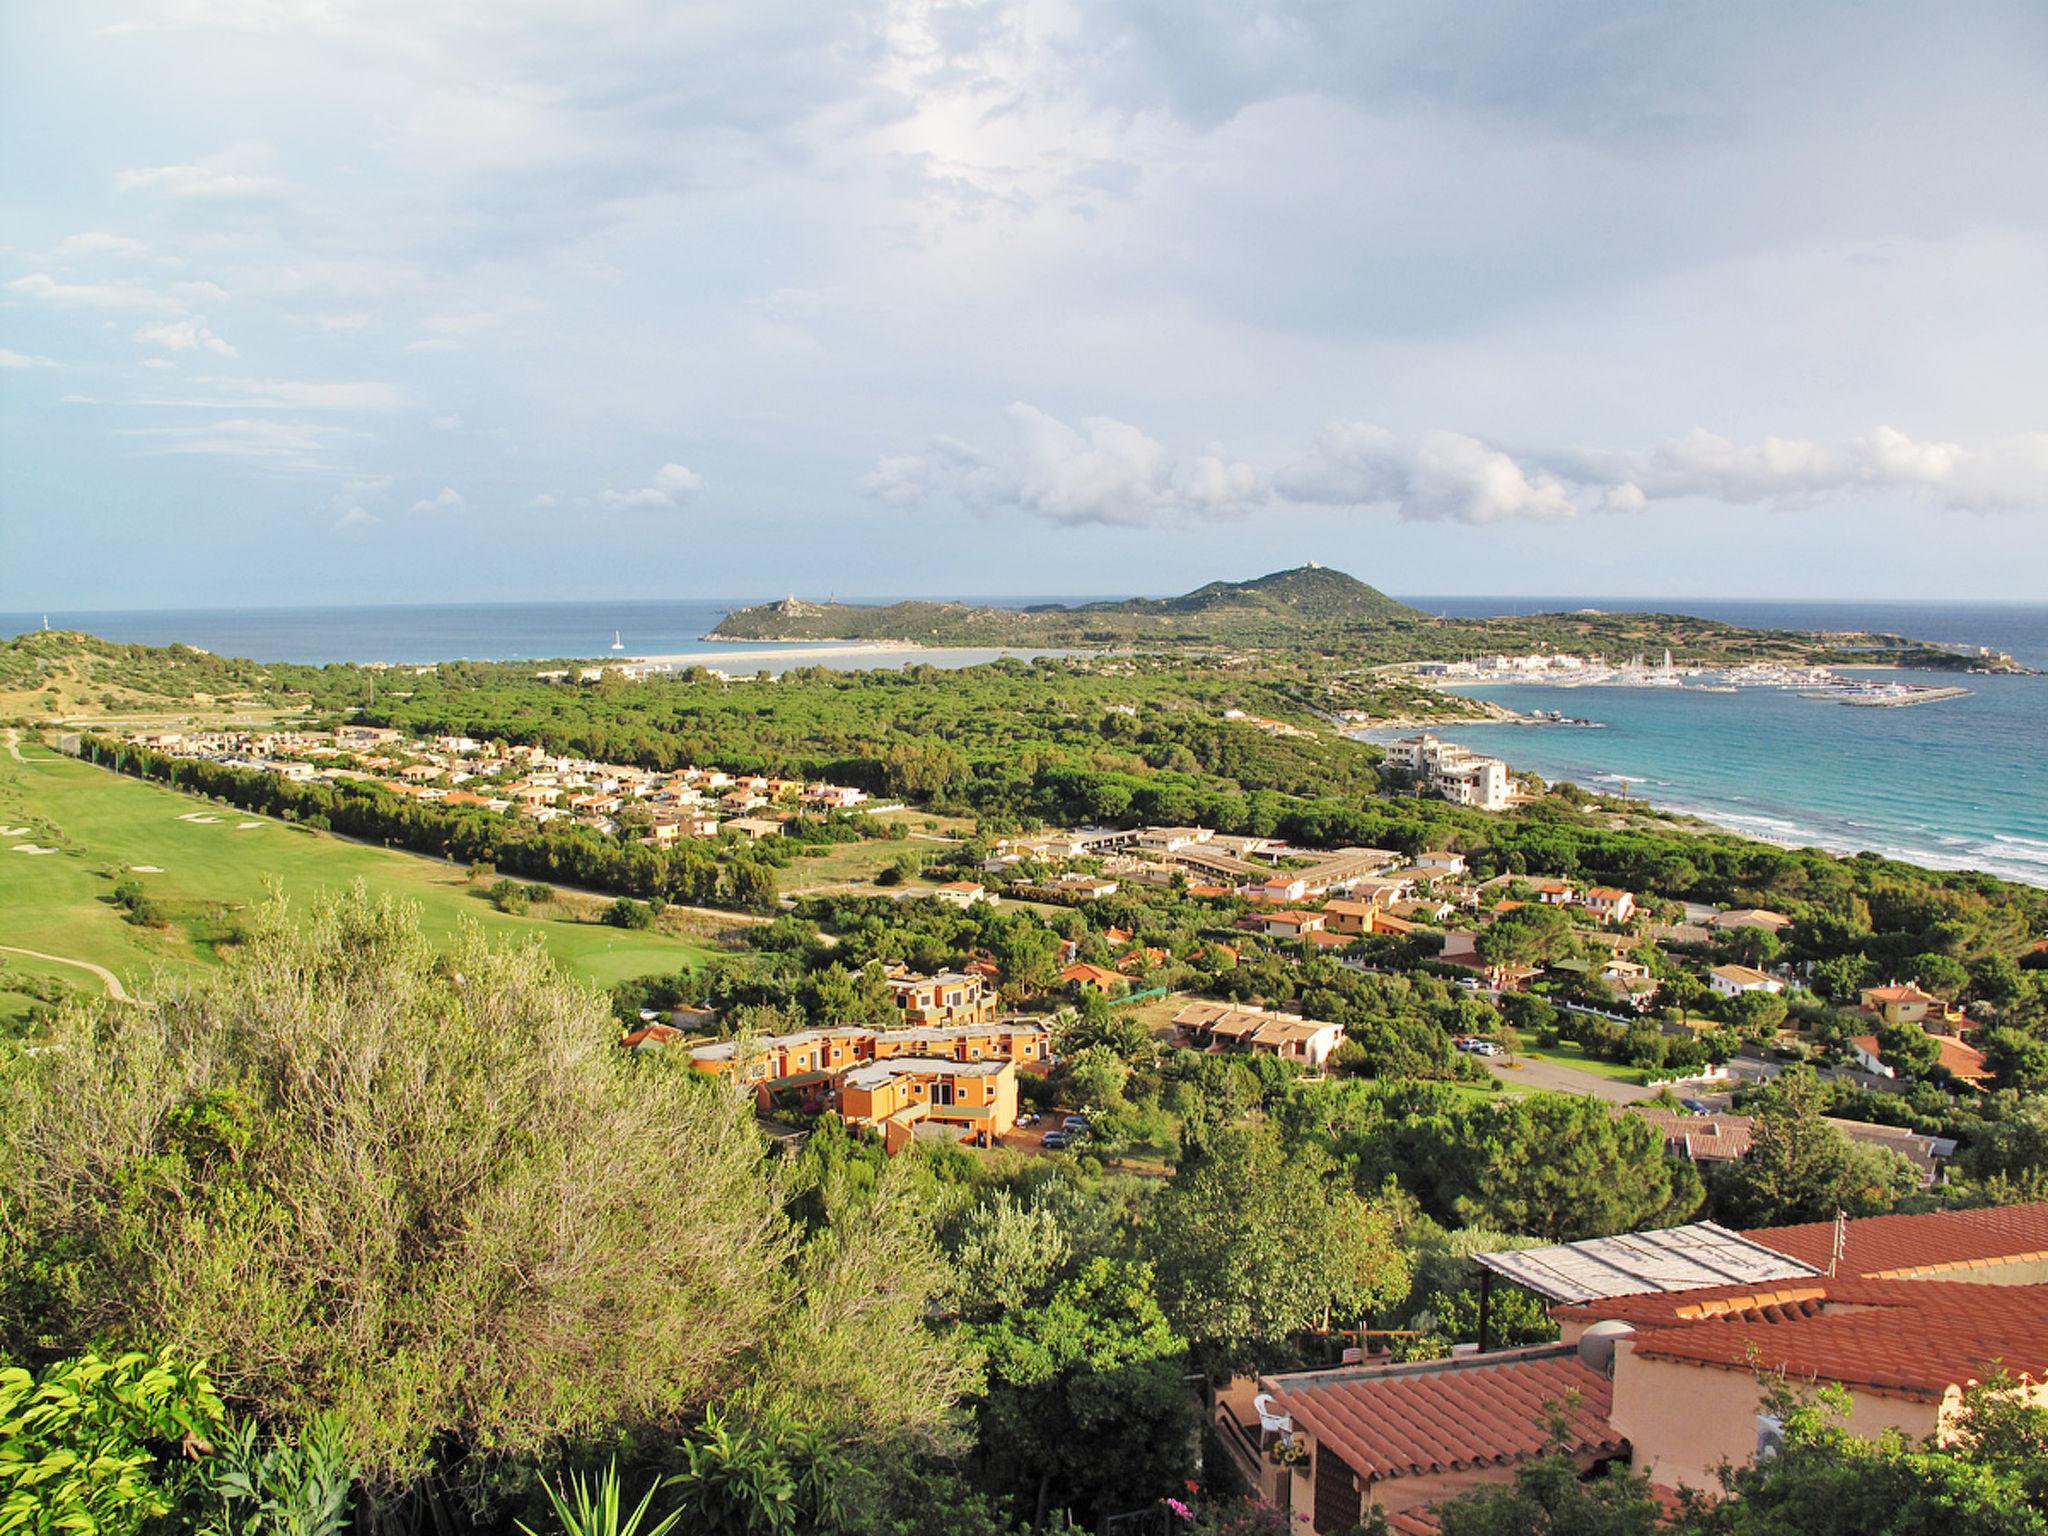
[115, 990]
[12, 741]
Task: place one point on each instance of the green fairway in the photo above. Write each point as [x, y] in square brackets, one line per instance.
[202, 863]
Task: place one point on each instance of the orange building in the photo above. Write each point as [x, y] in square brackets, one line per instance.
[1022, 1041]
[951, 997]
[897, 1095]
[773, 1057]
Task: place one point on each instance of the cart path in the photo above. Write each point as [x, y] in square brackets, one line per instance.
[115, 990]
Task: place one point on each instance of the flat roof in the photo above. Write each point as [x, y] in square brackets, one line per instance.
[1634, 1263]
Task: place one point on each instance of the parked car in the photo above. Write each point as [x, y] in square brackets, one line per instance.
[1054, 1140]
[1077, 1123]
[1695, 1106]
[1471, 983]
[1483, 1048]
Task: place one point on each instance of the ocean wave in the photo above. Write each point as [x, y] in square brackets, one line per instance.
[2027, 866]
[2025, 850]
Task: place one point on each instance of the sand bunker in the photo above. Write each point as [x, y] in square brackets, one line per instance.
[243, 826]
[13, 831]
[144, 869]
[31, 848]
[200, 816]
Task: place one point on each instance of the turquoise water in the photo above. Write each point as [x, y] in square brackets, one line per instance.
[1958, 784]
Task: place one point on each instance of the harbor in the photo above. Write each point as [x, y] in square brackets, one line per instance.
[1564, 670]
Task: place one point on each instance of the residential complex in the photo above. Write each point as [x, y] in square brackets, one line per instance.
[959, 1079]
[1663, 1335]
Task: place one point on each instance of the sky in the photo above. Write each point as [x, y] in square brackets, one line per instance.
[328, 301]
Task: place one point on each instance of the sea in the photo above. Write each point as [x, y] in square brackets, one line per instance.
[1955, 784]
[1958, 784]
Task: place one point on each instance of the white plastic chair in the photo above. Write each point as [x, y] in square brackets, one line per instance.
[1271, 1420]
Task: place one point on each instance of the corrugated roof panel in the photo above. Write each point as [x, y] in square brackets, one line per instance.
[1671, 1259]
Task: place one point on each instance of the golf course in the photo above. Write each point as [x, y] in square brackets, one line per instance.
[70, 833]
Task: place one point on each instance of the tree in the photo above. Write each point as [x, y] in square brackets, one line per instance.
[1009, 1253]
[1086, 1409]
[1254, 1243]
[1754, 1013]
[2017, 1060]
[1943, 975]
[1908, 1048]
[1533, 934]
[1800, 1168]
[427, 1194]
[1563, 1169]
[1988, 1481]
[1528, 1013]
[1550, 1497]
[2012, 1155]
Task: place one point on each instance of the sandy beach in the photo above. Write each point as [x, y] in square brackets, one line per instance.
[840, 655]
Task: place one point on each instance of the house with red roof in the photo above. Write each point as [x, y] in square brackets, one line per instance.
[1666, 1340]
[1399, 1438]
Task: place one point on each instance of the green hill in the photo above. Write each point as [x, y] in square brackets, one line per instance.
[1306, 603]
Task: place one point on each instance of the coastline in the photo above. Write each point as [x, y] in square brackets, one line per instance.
[1954, 788]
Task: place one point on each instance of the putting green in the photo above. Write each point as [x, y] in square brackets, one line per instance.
[202, 863]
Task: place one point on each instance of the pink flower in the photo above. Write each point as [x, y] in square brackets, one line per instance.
[1180, 1509]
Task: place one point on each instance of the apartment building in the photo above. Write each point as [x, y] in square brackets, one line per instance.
[951, 997]
[1457, 773]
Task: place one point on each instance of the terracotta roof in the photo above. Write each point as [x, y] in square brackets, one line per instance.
[1743, 975]
[1084, 973]
[1701, 1138]
[1936, 1243]
[1910, 1339]
[1961, 1059]
[1450, 1415]
[1899, 994]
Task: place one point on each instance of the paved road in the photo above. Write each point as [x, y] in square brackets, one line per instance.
[114, 988]
[1531, 1073]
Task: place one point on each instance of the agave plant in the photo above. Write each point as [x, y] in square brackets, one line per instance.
[596, 1508]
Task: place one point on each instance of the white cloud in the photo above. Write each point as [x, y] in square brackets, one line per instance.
[187, 335]
[1102, 471]
[1452, 476]
[544, 500]
[1109, 472]
[673, 485]
[96, 242]
[300, 447]
[233, 176]
[445, 423]
[448, 499]
[1996, 474]
[1441, 476]
[299, 395]
[352, 503]
[9, 359]
[898, 479]
[117, 294]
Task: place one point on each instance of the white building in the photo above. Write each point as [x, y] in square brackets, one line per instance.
[1734, 980]
[1457, 773]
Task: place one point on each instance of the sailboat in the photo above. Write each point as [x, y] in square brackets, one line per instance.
[617, 643]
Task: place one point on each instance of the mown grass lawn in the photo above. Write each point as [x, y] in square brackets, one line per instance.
[1566, 1054]
[203, 872]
